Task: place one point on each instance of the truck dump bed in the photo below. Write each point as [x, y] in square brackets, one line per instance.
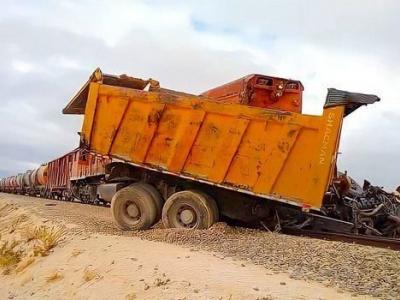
[276, 155]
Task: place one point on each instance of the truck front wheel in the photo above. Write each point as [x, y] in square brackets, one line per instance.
[133, 208]
[190, 209]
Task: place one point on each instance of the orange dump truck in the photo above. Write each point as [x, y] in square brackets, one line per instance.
[191, 160]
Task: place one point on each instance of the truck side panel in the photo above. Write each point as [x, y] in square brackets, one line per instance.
[280, 155]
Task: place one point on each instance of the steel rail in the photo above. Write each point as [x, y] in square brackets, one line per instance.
[374, 241]
[367, 240]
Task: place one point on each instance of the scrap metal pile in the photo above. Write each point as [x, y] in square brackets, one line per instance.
[372, 210]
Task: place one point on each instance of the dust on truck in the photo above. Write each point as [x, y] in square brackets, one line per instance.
[191, 160]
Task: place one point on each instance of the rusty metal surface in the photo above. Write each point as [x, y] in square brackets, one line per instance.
[352, 100]
[41, 176]
[59, 172]
[78, 102]
[261, 91]
[74, 165]
[86, 165]
[38, 177]
[371, 209]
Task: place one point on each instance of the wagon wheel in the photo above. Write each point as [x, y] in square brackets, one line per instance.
[83, 199]
[134, 208]
[190, 209]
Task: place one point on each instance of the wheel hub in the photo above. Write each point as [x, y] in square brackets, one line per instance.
[187, 216]
[132, 210]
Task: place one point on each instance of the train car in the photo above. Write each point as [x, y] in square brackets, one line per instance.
[74, 175]
[26, 180]
[261, 91]
[13, 184]
[5, 184]
[2, 184]
[8, 186]
[20, 184]
[58, 184]
[36, 181]
[87, 173]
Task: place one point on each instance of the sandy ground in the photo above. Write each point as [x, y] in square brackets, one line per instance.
[91, 265]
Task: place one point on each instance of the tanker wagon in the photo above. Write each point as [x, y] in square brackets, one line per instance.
[191, 160]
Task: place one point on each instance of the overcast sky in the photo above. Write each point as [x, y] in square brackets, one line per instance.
[49, 48]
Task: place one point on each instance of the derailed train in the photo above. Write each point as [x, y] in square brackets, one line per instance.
[74, 175]
[32, 182]
[241, 151]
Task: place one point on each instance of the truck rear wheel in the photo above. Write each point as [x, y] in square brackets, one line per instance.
[133, 208]
[158, 200]
[190, 209]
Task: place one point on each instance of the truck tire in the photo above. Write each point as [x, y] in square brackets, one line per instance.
[133, 208]
[190, 209]
[158, 200]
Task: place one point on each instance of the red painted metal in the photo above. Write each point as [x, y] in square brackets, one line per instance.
[74, 165]
[88, 165]
[261, 91]
[59, 172]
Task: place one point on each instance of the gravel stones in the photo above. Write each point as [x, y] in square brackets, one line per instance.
[359, 269]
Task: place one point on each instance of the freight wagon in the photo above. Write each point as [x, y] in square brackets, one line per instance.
[86, 174]
[191, 160]
[58, 184]
[37, 180]
[74, 175]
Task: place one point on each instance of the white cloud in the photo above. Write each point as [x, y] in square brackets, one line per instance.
[65, 62]
[22, 66]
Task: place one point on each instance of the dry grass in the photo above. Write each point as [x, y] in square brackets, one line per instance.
[8, 255]
[22, 239]
[55, 276]
[131, 296]
[49, 237]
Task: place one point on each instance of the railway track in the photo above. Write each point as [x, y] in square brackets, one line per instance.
[75, 200]
[374, 241]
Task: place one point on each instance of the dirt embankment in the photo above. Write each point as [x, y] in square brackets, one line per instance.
[90, 259]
